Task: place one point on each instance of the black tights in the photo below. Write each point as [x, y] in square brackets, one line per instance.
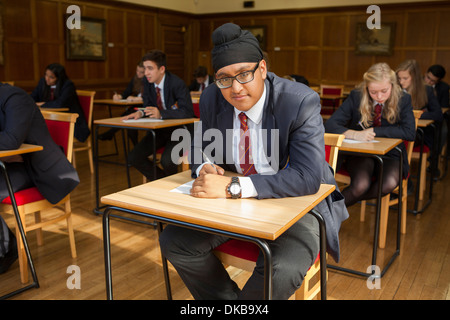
[364, 183]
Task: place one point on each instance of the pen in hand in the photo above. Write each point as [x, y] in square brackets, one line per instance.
[209, 161]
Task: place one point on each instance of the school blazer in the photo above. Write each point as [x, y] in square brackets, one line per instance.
[294, 110]
[177, 97]
[22, 122]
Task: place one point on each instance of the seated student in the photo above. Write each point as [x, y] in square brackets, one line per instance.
[245, 88]
[56, 90]
[201, 79]
[133, 92]
[433, 78]
[48, 170]
[377, 108]
[422, 97]
[165, 96]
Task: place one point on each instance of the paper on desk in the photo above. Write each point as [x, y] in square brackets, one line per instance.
[143, 120]
[184, 188]
[357, 141]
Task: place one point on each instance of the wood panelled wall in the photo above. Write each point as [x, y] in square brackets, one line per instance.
[319, 44]
[34, 36]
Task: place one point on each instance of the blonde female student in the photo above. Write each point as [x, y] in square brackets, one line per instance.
[377, 108]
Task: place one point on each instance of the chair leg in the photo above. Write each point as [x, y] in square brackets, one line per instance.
[404, 206]
[23, 263]
[39, 236]
[383, 220]
[423, 176]
[74, 160]
[70, 231]
[91, 162]
[362, 214]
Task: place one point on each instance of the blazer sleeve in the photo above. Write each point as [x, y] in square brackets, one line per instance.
[37, 93]
[17, 113]
[432, 110]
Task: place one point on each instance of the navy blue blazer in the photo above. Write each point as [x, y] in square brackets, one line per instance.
[177, 97]
[442, 93]
[22, 122]
[348, 116]
[65, 97]
[432, 110]
[298, 154]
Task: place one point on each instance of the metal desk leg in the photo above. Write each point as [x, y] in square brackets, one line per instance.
[35, 283]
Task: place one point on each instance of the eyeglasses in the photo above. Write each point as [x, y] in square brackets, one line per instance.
[242, 78]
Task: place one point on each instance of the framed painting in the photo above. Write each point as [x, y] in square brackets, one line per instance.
[88, 42]
[375, 41]
[260, 33]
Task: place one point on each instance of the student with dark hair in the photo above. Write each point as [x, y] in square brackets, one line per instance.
[247, 96]
[201, 79]
[433, 78]
[48, 170]
[56, 90]
[165, 96]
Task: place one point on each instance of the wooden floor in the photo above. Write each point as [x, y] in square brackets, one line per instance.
[421, 272]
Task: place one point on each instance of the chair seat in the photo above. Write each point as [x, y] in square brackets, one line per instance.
[243, 249]
[426, 149]
[25, 196]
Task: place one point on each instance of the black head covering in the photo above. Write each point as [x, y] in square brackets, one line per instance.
[234, 45]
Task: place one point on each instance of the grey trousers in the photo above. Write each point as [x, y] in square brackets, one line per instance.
[190, 252]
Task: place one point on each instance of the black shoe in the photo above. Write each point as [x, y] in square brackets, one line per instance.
[11, 255]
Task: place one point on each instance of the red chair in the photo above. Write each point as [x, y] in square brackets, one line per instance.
[243, 255]
[61, 127]
[86, 99]
[330, 97]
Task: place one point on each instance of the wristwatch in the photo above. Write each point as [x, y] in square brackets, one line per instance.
[234, 188]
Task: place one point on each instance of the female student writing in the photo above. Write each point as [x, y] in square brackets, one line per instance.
[422, 96]
[56, 90]
[377, 108]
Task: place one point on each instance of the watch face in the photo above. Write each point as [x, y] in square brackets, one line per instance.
[235, 188]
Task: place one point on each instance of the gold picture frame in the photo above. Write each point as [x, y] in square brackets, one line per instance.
[88, 42]
[375, 41]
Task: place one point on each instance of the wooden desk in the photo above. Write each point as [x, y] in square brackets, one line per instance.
[116, 103]
[376, 150]
[118, 123]
[245, 219]
[24, 148]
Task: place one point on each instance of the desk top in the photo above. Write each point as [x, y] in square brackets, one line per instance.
[117, 102]
[145, 125]
[383, 146]
[24, 148]
[424, 123]
[266, 219]
[54, 109]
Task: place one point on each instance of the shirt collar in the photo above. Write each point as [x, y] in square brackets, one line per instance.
[161, 84]
[255, 113]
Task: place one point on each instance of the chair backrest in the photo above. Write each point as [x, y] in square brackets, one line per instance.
[86, 99]
[61, 126]
[11, 83]
[334, 90]
[333, 142]
[410, 144]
